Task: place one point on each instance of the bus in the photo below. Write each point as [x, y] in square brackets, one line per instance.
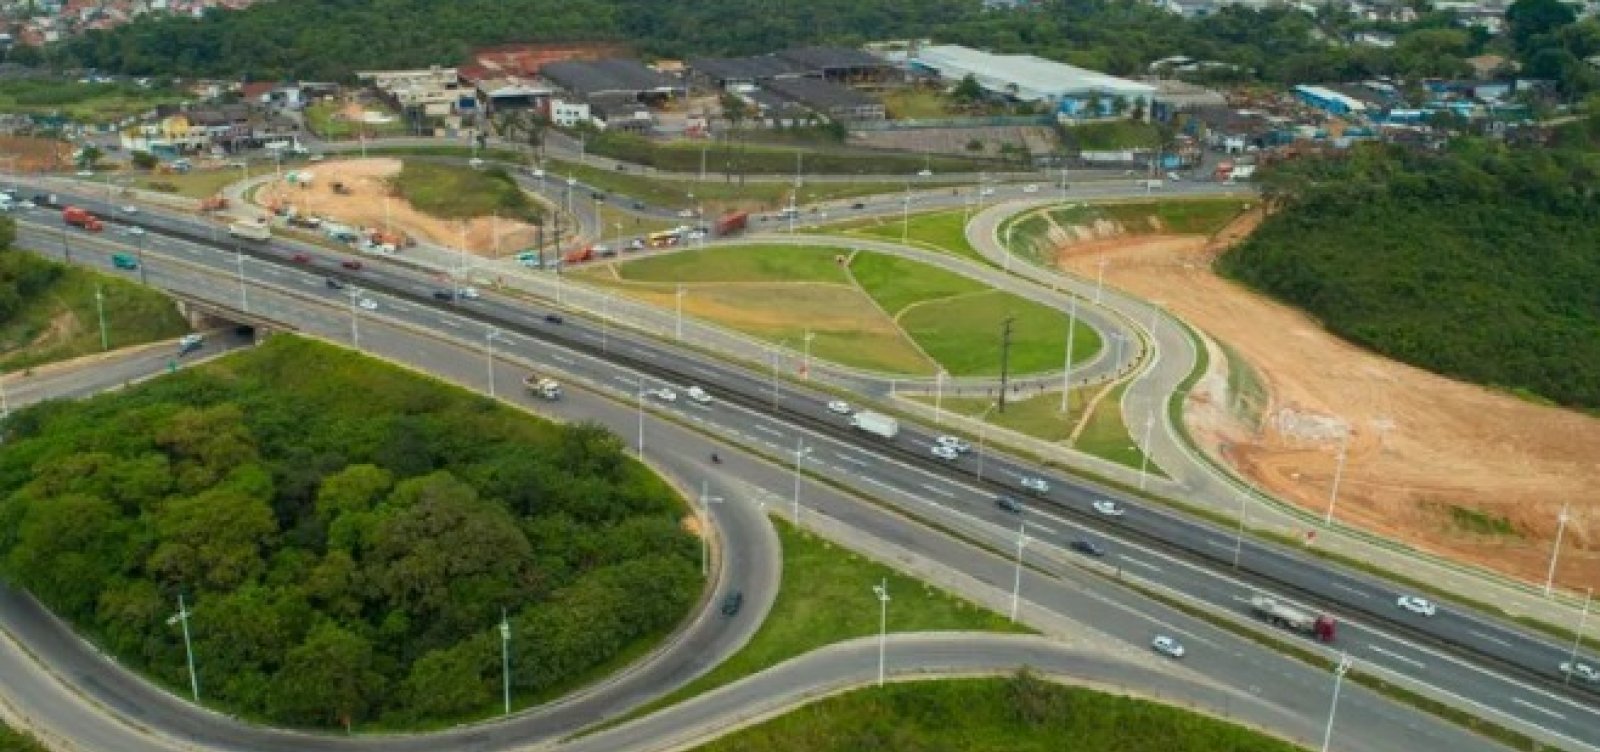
[663, 239]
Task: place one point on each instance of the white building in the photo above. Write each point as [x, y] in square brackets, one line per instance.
[568, 114]
[1065, 88]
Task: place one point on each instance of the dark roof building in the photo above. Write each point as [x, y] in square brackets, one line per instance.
[841, 64]
[726, 72]
[835, 63]
[587, 78]
[830, 99]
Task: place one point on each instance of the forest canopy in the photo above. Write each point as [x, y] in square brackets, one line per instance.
[345, 534]
[1480, 262]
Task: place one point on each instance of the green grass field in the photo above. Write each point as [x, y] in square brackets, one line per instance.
[944, 231]
[768, 158]
[1183, 217]
[747, 263]
[61, 322]
[15, 741]
[1018, 714]
[1111, 135]
[1105, 436]
[81, 102]
[457, 192]
[199, 184]
[1108, 435]
[826, 597]
[320, 118]
[716, 193]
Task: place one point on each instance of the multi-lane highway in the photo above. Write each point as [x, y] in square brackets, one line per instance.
[906, 473]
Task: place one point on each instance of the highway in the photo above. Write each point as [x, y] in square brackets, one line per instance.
[1264, 687]
[920, 487]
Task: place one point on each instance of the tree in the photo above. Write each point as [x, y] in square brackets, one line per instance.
[144, 160]
[734, 108]
[88, 156]
[214, 539]
[1532, 19]
[67, 548]
[327, 678]
[968, 91]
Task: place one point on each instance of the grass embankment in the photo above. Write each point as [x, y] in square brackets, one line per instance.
[826, 597]
[16, 741]
[1112, 135]
[198, 184]
[1019, 714]
[456, 192]
[1037, 234]
[1104, 433]
[82, 102]
[48, 312]
[716, 193]
[326, 120]
[883, 313]
[944, 231]
[749, 158]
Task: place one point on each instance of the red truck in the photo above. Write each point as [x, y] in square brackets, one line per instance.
[732, 222]
[79, 217]
[582, 254]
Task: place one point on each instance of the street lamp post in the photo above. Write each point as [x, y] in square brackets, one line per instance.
[905, 216]
[983, 432]
[1144, 456]
[1100, 280]
[775, 373]
[1238, 536]
[1016, 583]
[143, 280]
[1009, 227]
[5, 408]
[100, 308]
[1066, 370]
[489, 337]
[805, 357]
[706, 500]
[1555, 553]
[182, 617]
[244, 297]
[1577, 639]
[882, 591]
[355, 317]
[679, 325]
[1338, 474]
[1338, 679]
[800, 451]
[641, 417]
[938, 397]
[505, 660]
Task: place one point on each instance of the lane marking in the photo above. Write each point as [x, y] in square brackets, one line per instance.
[1138, 563]
[941, 491]
[562, 359]
[1490, 638]
[449, 323]
[1354, 591]
[1538, 708]
[1046, 528]
[1396, 656]
[852, 460]
[766, 430]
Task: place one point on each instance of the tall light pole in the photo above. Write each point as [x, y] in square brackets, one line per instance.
[355, 317]
[5, 407]
[1066, 370]
[505, 659]
[679, 326]
[489, 337]
[805, 357]
[938, 397]
[1555, 553]
[244, 298]
[1009, 227]
[775, 373]
[905, 216]
[706, 500]
[1577, 639]
[1016, 584]
[983, 432]
[182, 617]
[882, 591]
[1338, 679]
[1144, 456]
[800, 451]
[1238, 536]
[641, 417]
[143, 279]
[1338, 474]
[100, 308]
[1100, 280]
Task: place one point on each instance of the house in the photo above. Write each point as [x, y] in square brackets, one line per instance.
[436, 91]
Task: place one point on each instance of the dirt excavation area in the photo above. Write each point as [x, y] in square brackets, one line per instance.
[1450, 467]
[366, 200]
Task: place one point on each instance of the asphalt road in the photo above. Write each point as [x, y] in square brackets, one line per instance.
[1261, 686]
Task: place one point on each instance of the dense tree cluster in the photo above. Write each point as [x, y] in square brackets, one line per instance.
[328, 39]
[346, 536]
[1480, 262]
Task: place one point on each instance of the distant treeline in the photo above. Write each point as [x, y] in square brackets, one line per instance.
[1479, 262]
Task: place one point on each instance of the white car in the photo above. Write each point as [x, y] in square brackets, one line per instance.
[1036, 485]
[368, 304]
[470, 293]
[986, 192]
[85, 173]
[315, 158]
[1109, 508]
[945, 453]
[924, 173]
[129, 209]
[1167, 646]
[955, 443]
[1582, 671]
[696, 235]
[698, 395]
[475, 163]
[839, 407]
[1030, 188]
[686, 213]
[1419, 606]
[135, 231]
[665, 395]
[25, 204]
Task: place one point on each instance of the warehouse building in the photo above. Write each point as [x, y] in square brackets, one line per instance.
[840, 103]
[612, 78]
[1071, 91]
[837, 64]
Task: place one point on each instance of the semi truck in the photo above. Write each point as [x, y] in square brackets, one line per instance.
[79, 217]
[250, 230]
[731, 223]
[542, 387]
[1320, 626]
[877, 424]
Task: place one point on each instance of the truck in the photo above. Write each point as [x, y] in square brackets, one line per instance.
[1320, 626]
[542, 387]
[582, 254]
[731, 223]
[79, 217]
[1152, 184]
[250, 230]
[877, 424]
[214, 203]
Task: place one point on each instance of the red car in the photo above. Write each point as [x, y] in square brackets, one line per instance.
[351, 264]
[301, 258]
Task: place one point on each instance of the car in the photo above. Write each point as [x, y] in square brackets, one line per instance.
[1036, 485]
[135, 231]
[1109, 508]
[1582, 671]
[25, 204]
[188, 343]
[696, 235]
[85, 173]
[470, 293]
[1419, 606]
[698, 395]
[368, 304]
[858, 205]
[1008, 504]
[665, 395]
[351, 264]
[1088, 548]
[945, 453]
[686, 213]
[731, 604]
[315, 158]
[301, 258]
[605, 251]
[1030, 188]
[333, 284]
[1167, 646]
[986, 191]
[955, 442]
[553, 318]
[839, 407]
[924, 173]
[475, 163]
[638, 206]
[43, 199]
[443, 295]
[636, 245]
[128, 209]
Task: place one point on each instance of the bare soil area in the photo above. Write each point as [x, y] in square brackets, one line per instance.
[33, 154]
[364, 205]
[1454, 468]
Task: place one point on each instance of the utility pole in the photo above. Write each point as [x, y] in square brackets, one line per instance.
[1577, 638]
[1005, 359]
[143, 280]
[1066, 370]
[1555, 553]
[882, 591]
[505, 659]
[100, 307]
[800, 451]
[706, 500]
[1338, 474]
[182, 617]
[1338, 678]
[1144, 456]
[1016, 584]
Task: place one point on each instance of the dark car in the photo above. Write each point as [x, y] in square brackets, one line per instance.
[731, 604]
[351, 264]
[333, 284]
[1088, 548]
[301, 258]
[553, 318]
[444, 295]
[1009, 504]
[858, 205]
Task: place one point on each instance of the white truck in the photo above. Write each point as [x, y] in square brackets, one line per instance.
[250, 230]
[542, 387]
[877, 424]
[1154, 184]
[1320, 626]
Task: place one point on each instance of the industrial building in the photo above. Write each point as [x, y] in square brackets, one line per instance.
[613, 77]
[840, 103]
[1071, 91]
[837, 64]
[1329, 101]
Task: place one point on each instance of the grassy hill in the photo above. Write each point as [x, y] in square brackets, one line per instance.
[1479, 263]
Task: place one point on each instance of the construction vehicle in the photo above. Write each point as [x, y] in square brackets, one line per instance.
[877, 424]
[731, 223]
[1320, 626]
[582, 254]
[306, 221]
[542, 387]
[340, 188]
[214, 203]
[250, 230]
[79, 217]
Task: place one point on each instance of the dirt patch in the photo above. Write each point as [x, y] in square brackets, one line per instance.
[365, 205]
[1420, 445]
[34, 154]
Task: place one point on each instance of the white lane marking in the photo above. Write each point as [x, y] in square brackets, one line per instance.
[449, 323]
[852, 460]
[874, 481]
[628, 380]
[1140, 564]
[1490, 638]
[941, 491]
[703, 371]
[1539, 708]
[1396, 656]
[697, 405]
[1354, 591]
[766, 430]
[562, 359]
[1046, 528]
[1219, 544]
